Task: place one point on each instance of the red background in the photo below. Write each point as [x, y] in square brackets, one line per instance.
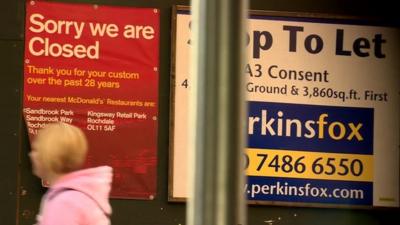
[130, 149]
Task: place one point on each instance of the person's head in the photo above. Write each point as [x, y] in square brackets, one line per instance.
[57, 149]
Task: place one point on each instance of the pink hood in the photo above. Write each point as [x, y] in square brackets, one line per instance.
[94, 182]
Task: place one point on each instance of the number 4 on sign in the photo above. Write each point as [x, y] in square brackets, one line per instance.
[185, 83]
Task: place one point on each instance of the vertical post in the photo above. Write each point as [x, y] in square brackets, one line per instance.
[217, 113]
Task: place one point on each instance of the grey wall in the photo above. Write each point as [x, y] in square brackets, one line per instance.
[20, 191]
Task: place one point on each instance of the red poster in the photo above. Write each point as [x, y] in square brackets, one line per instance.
[96, 67]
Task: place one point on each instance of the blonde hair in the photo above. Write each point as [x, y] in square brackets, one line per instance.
[61, 147]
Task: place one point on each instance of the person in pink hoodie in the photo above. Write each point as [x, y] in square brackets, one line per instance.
[76, 196]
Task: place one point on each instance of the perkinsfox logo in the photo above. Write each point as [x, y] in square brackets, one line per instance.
[280, 126]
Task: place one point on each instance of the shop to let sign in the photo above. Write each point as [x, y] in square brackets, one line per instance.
[96, 67]
[323, 111]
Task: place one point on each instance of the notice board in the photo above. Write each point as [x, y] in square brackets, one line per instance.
[96, 67]
[323, 110]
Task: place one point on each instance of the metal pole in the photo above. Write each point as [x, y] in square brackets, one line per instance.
[217, 113]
